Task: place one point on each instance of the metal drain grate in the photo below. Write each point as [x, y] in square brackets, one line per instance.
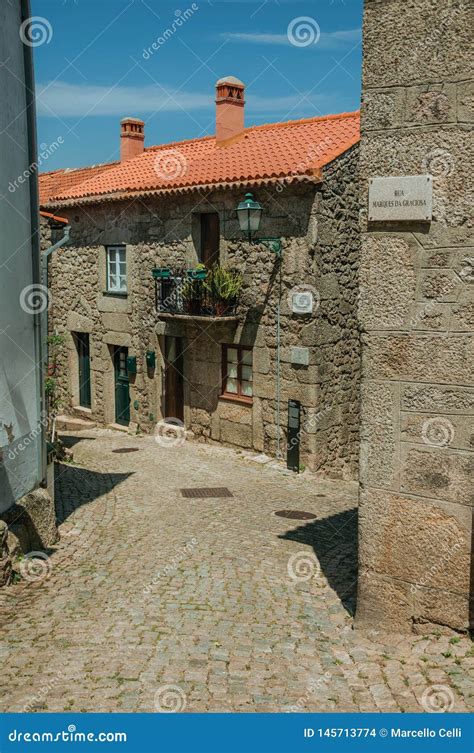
[295, 514]
[127, 449]
[196, 492]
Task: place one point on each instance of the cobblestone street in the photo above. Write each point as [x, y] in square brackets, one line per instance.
[153, 601]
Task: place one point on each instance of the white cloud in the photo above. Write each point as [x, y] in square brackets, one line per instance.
[329, 40]
[80, 100]
[66, 100]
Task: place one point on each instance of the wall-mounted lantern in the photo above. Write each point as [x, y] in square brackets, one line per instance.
[249, 212]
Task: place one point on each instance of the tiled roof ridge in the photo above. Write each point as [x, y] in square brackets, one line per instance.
[82, 167]
[261, 127]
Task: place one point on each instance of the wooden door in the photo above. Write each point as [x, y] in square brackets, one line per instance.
[210, 238]
[174, 381]
[83, 354]
[122, 387]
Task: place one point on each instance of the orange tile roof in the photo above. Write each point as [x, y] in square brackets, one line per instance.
[54, 218]
[294, 150]
[56, 182]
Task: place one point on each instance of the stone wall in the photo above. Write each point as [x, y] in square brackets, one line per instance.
[27, 526]
[417, 319]
[318, 226]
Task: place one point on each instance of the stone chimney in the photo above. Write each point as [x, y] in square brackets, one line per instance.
[229, 108]
[132, 138]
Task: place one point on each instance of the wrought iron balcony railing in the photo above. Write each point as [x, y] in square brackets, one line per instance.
[192, 293]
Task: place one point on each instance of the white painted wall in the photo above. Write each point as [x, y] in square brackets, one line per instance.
[21, 468]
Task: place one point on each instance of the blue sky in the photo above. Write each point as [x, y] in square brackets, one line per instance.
[97, 65]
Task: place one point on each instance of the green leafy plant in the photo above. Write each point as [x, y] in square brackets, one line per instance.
[50, 388]
[192, 290]
[55, 343]
[223, 284]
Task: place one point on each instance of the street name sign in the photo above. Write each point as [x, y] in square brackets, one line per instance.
[405, 198]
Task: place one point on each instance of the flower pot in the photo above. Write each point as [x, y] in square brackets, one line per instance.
[197, 274]
[193, 306]
[162, 273]
[221, 308]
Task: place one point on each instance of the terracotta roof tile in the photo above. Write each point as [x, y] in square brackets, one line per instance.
[292, 150]
[56, 182]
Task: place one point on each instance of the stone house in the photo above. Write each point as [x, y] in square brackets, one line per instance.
[145, 340]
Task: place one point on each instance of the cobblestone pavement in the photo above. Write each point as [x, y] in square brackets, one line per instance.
[154, 601]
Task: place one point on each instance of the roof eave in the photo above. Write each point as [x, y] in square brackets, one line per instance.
[314, 179]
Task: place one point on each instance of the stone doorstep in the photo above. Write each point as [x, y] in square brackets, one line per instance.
[118, 427]
[70, 423]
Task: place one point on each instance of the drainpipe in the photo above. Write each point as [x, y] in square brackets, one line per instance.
[30, 112]
[278, 362]
[44, 281]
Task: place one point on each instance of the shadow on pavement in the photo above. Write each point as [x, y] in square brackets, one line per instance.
[334, 542]
[75, 487]
[69, 440]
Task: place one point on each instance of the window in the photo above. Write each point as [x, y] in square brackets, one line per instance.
[237, 372]
[116, 269]
[210, 238]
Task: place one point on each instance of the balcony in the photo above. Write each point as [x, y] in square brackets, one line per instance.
[197, 293]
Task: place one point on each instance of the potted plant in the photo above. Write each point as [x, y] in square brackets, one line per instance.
[55, 342]
[198, 273]
[223, 286]
[161, 273]
[192, 295]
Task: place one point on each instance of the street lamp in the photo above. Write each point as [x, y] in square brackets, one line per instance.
[249, 213]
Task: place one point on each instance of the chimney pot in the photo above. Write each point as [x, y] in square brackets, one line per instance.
[132, 138]
[230, 105]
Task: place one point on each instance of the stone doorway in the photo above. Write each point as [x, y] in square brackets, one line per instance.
[122, 387]
[174, 379]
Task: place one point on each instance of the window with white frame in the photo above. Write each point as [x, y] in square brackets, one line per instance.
[116, 269]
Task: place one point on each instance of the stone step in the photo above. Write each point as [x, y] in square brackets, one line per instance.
[70, 423]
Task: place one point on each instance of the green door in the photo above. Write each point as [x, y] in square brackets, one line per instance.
[122, 389]
[83, 352]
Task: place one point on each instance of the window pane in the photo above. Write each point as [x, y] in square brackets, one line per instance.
[116, 269]
[247, 373]
[232, 355]
[232, 371]
[247, 389]
[247, 357]
[231, 386]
